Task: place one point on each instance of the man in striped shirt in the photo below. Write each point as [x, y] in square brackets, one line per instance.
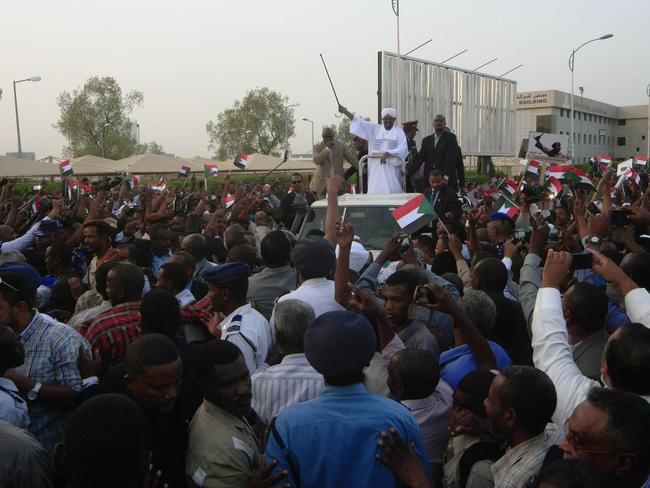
[294, 379]
[112, 331]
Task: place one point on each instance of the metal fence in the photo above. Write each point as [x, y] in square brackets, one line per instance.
[480, 109]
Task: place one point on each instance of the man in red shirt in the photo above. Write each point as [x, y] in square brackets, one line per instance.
[114, 329]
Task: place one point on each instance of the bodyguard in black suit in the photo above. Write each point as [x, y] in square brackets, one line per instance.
[439, 151]
[443, 199]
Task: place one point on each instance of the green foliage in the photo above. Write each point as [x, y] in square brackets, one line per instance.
[94, 119]
[259, 123]
[150, 147]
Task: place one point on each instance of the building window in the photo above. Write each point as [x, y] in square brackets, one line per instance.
[589, 138]
[643, 138]
[561, 112]
[622, 122]
[620, 141]
[638, 149]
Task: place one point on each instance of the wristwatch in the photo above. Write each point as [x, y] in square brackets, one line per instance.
[33, 393]
[593, 240]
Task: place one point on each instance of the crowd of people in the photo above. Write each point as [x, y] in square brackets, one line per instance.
[170, 338]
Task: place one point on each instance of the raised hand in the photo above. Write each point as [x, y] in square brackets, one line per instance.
[400, 458]
[344, 234]
[556, 269]
[263, 477]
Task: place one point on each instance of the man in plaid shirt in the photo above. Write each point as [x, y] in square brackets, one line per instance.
[112, 331]
[50, 377]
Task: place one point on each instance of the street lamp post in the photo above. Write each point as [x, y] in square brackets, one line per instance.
[32, 78]
[647, 137]
[286, 124]
[581, 90]
[571, 67]
[312, 133]
[107, 124]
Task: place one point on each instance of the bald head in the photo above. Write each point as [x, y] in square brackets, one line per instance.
[196, 245]
[6, 233]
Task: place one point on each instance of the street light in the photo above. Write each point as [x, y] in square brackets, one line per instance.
[647, 137]
[312, 133]
[107, 124]
[580, 134]
[286, 123]
[572, 58]
[31, 78]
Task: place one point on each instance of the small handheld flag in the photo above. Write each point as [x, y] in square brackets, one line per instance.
[579, 179]
[506, 184]
[184, 171]
[210, 170]
[161, 186]
[65, 167]
[509, 208]
[624, 166]
[558, 172]
[554, 185]
[533, 167]
[132, 180]
[228, 200]
[241, 160]
[640, 162]
[414, 214]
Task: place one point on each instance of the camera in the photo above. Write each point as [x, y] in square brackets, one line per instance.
[404, 244]
[424, 296]
[620, 218]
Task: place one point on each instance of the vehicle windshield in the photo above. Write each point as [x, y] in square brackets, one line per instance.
[374, 225]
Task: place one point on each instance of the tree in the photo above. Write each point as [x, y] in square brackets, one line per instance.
[150, 147]
[95, 119]
[260, 123]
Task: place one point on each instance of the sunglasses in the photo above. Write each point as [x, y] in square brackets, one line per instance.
[3, 282]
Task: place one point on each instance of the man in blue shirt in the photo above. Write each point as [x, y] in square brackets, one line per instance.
[332, 440]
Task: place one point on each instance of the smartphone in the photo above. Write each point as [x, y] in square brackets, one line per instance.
[620, 218]
[36, 188]
[424, 296]
[582, 260]
[404, 244]
[594, 208]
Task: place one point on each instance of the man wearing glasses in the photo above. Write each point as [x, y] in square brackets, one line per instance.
[328, 158]
[294, 204]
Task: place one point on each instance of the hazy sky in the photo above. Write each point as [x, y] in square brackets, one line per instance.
[192, 59]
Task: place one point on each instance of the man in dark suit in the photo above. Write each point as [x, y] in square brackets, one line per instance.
[443, 199]
[439, 151]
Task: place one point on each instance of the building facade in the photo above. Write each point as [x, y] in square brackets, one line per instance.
[599, 128]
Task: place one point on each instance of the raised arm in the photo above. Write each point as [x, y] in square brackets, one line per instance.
[469, 332]
[334, 185]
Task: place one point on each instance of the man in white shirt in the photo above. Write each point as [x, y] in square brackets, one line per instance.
[387, 150]
[294, 379]
[242, 325]
[624, 357]
[314, 260]
[414, 379]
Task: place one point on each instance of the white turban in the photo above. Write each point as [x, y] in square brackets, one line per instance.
[391, 112]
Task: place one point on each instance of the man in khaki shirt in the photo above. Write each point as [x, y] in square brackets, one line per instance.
[328, 158]
[223, 450]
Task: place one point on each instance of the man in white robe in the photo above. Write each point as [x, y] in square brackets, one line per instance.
[386, 144]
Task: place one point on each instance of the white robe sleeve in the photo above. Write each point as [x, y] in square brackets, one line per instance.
[362, 128]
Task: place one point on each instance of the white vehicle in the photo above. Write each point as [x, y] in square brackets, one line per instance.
[370, 215]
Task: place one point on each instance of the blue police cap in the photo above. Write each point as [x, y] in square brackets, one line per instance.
[224, 273]
[502, 216]
[47, 227]
[340, 344]
[27, 272]
[314, 257]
